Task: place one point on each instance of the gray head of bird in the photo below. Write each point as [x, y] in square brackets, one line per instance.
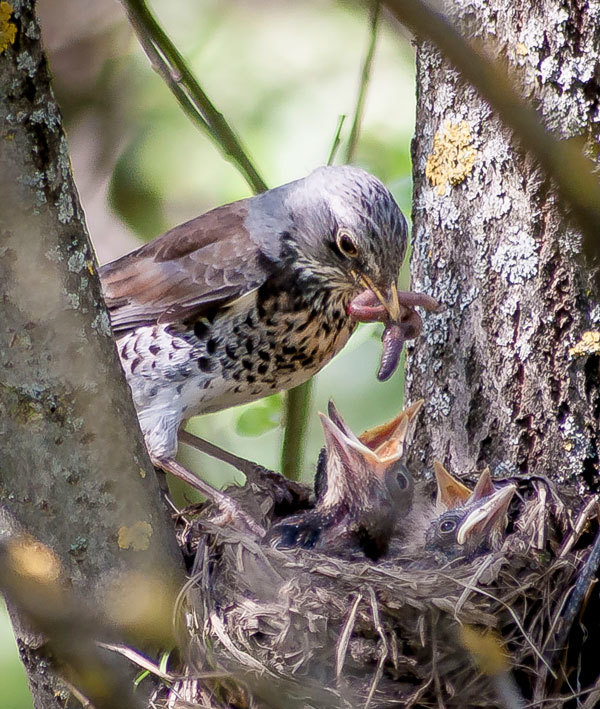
[339, 225]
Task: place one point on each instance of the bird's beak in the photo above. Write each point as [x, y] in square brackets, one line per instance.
[488, 515]
[389, 299]
[348, 447]
[388, 439]
[451, 492]
[338, 421]
[484, 488]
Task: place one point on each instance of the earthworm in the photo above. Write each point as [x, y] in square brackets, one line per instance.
[392, 339]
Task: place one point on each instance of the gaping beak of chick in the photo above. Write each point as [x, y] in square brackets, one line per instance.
[396, 429]
[341, 443]
[487, 517]
[451, 492]
[485, 507]
[389, 298]
[377, 447]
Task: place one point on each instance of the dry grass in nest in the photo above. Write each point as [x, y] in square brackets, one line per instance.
[268, 628]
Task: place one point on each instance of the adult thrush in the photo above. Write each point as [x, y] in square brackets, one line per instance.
[252, 298]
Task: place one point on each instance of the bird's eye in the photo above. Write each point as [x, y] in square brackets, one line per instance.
[402, 480]
[447, 526]
[346, 244]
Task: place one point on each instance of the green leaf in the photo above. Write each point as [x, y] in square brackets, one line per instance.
[260, 418]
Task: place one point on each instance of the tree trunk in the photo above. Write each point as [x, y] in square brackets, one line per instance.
[74, 470]
[510, 371]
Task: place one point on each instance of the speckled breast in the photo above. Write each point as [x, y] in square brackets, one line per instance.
[262, 344]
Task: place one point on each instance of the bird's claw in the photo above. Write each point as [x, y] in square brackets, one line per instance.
[366, 307]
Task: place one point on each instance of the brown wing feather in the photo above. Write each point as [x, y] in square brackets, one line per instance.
[182, 274]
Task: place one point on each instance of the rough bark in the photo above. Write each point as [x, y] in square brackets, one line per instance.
[509, 378]
[74, 471]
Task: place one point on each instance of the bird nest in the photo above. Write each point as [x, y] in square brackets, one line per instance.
[264, 627]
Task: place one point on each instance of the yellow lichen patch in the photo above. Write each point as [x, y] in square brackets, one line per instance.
[522, 49]
[453, 156]
[588, 345]
[35, 560]
[142, 605]
[8, 30]
[136, 537]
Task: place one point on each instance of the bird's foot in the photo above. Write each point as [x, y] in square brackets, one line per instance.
[231, 514]
[282, 490]
[366, 307]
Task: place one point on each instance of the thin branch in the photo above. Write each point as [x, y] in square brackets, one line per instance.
[297, 406]
[560, 159]
[172, 67]
[364, 82]
[337, 139]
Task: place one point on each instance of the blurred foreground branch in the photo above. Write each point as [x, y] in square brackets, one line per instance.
[75, 472]
[562, 161]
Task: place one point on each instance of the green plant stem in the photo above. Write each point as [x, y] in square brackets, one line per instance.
[562, 161]
[297, 403]
[297, 407]
[172, 67]
[364, 82]
[337, 139]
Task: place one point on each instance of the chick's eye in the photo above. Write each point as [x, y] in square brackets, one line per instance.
[447, 526]
[346, 244]
[402, 481]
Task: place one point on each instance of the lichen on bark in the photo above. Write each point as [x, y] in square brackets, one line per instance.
[72, 452]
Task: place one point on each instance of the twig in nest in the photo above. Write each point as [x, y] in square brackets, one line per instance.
[585, 579]
[385, 649]
[583, 518]
[342, 646]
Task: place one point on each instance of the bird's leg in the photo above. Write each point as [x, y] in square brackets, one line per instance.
[231, 512]
[250, 469]
[285, 490]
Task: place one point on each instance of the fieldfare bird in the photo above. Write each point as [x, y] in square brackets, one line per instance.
[458, 522]
[254, 297]
[474, 521]
[362, 489]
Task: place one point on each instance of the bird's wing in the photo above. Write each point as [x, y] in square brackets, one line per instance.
[196, 267]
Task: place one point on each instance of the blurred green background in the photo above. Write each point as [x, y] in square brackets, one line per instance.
[282, 73]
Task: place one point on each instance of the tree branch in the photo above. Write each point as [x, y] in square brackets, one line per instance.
[75, 474]
[365, 77]
[171, 66]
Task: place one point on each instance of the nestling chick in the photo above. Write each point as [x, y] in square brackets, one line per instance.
[459, 522]
[474, 521]
[362, 490]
